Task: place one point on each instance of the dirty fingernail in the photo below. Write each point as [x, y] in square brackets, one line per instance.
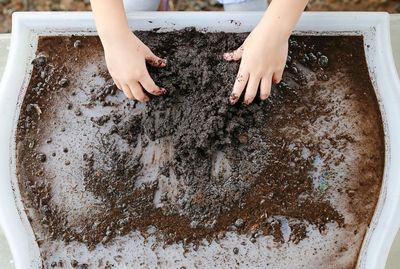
[227, 56]
[161, 62]
[233, 99]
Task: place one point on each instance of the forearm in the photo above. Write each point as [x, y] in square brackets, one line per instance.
[283, 15]
[110, 19]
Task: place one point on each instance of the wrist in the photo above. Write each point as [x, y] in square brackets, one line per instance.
[112, 36]
[278, 32]
[275, 22]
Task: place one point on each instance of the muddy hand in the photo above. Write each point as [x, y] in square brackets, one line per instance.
[263, 56]
[126, 61]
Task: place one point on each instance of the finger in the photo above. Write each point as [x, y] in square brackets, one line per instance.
[277, 77]
[137, 92]
[148, 84]
[238, 87]
[155, 61]
[127, 91]
[265, 89]
[117, 83]
[234, 55]
[251, 90]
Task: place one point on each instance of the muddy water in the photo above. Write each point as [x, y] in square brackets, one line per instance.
[188, 179]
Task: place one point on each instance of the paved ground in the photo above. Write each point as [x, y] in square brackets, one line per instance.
[394, 256]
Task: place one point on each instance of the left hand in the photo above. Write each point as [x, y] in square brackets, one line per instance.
[263, 56]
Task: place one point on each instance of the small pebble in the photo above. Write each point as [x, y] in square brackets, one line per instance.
[239, 223]
[77, 44]
[312, 57]
[324, 77]
[220, 235]
[323, 61]
[67, 162]
[304, 59]
[105, 239]
[29, 108]
[40, 60]
[65, 150]
[31, 144]
[283, 85]
[69, 106]
[194, 224]
[63, 82]
[74, 263]
[78, 112]
[235, 251]
[41, 157]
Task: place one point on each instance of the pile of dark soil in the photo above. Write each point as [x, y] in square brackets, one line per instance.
[223, 167]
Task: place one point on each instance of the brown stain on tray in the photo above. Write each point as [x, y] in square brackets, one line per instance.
[90, 162]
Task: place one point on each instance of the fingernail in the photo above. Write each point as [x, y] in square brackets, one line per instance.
[227, 56]
[162, 62]
[163, 90]
[233, 99]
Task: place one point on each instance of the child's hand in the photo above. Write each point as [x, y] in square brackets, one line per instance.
[126, 59]
[263, 55]
[125, 54]
[265, 50]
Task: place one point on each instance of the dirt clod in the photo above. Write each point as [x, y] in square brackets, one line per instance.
[77, 44]
[64, 82]
[41, 157]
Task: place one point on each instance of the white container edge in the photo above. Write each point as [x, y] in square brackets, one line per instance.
[374, 26]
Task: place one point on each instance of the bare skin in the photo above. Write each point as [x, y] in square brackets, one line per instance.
[263, 54]
[125, 54]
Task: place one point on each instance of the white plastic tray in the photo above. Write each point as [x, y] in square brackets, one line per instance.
[28, 26]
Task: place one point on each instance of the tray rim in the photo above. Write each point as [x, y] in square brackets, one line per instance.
[373, 25]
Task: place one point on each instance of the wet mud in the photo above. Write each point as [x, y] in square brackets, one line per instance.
[190, 169]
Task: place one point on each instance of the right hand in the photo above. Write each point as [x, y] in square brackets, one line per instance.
[126, 59]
